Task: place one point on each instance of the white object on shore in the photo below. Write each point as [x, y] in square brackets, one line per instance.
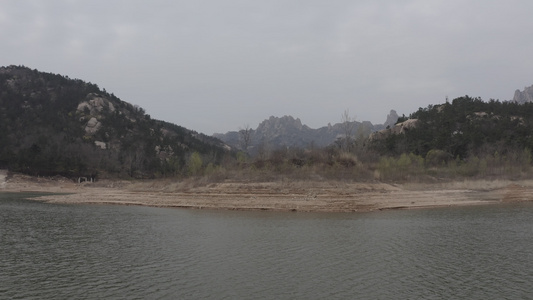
[3, 176]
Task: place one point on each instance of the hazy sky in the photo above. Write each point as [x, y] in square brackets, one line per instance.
[217, 65]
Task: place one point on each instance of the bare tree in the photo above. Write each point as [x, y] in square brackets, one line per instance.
[245, 137]
[262, 149]
[348, 129]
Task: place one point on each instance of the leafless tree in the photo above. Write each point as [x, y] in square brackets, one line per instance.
[245, 137]
[348, 129]
[262, 150]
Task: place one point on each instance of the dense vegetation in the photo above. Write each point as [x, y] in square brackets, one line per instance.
[43, 131]
[53, 125]
[465, 127]
[467, 138]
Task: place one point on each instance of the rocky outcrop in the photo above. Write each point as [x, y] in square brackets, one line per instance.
[392, 118]
[287, 131]
[57, 125]
[91, 111]
[100, 144]
[95, 104]
[524, 96]
[396, 129]
[92, 126]
[278, 126]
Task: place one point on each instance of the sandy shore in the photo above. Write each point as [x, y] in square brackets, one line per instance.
[286, 195]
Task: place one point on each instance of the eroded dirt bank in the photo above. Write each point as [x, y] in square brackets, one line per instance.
[284, 195]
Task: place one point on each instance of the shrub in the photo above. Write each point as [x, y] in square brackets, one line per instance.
[437, 158]
[195, 164]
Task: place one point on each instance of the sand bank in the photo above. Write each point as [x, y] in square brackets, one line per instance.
[286, 195]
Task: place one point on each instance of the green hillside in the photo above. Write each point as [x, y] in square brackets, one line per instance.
[466, 126]
[53, 125]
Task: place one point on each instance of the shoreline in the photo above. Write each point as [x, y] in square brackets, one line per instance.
[285, 195]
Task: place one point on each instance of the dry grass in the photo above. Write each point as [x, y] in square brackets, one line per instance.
[282, 194]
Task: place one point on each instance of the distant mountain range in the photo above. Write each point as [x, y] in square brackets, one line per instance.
[51, 124]
[286, 131]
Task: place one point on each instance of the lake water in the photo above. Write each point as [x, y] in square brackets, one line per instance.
[51, 251]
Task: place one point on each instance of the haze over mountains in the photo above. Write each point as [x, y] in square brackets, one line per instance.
[288, 131]
[524, 96]
[51, 124]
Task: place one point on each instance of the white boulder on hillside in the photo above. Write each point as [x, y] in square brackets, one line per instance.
[95, 104]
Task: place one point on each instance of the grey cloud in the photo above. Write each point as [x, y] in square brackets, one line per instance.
[216, 65]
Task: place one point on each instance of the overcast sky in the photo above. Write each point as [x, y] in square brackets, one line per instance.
[217, 65]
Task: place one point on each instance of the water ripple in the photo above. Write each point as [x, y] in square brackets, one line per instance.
[95, 252]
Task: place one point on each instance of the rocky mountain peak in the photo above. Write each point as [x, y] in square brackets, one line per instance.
[525, 96]
[276, 125]
[392, 118]
[287, 131]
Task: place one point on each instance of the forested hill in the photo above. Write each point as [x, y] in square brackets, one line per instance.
[51, 124]
[466, 126]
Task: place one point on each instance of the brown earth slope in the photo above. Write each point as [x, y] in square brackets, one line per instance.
[285, 195]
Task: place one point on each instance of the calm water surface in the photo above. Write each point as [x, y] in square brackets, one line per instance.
[50, 251]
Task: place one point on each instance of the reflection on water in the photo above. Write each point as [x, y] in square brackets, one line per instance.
[94, 252]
